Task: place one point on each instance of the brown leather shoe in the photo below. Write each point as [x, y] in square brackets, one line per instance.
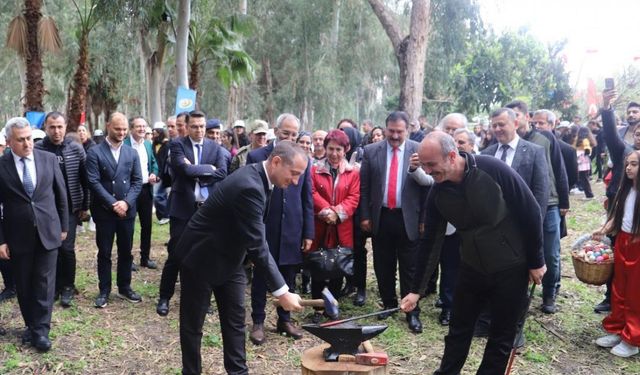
[257, 334]
[289, 329]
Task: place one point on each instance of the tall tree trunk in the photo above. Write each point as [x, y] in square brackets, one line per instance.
[232, 104]
[153, 70]
[410, 51]
[33, 59]
[267, 92]
[80, 83]
[22, 73]
[182, 43]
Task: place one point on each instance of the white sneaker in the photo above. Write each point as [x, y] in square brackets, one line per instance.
[163, 221]
[575, 191]
[92, 225]
[624, 350]
[608, 341]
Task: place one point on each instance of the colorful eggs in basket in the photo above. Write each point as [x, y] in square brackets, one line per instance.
[595, 252]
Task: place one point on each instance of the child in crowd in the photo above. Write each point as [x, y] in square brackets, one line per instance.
[623, 323]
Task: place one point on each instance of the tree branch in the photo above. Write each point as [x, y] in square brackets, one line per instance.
[388, 22]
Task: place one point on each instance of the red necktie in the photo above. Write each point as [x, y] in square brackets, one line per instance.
[393, 180]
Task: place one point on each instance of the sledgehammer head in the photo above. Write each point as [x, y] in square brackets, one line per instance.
[330, 304]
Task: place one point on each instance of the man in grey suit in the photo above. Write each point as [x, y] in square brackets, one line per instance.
[34, 223]
[390, 197]
[524, 157]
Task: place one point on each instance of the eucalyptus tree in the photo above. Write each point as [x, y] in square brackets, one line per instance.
[410, 50]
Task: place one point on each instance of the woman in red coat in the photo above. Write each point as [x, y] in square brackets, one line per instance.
[336, 192]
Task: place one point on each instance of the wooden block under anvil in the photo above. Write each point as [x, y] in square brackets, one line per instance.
[313, 363]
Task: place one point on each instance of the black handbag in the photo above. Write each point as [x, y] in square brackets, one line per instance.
[329, 264]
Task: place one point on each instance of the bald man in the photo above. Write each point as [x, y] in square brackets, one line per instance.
[115, 180]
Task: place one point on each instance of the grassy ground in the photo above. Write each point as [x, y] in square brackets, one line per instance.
[132, 339]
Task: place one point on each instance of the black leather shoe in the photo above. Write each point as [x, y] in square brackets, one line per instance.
[162, 308]
[415, 325]
[289, 329]
[603, 307]
[66, 296]
[41, 343]
[102, 300]
[360, 298]
[7, 293]
[385, 315]
[445, 317]
[130, 295]
[150, 264]
[439, 303]
[25, 338]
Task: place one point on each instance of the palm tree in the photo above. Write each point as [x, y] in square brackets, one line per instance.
[30, 34]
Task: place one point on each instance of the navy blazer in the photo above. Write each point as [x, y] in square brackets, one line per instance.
[290, 216]
[111, 182]
[47, 209]
[530, 163]
[372, 177]
[182, 201]
[228, 227]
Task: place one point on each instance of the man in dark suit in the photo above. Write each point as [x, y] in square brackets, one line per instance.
[197, 164]
[524, 157]
[149, 172]
[227, 228]
[34, 224]
[113, 170]
[290, 231]
[72, 160]
[390, 207]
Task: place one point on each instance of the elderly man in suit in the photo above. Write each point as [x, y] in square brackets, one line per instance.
[226, 229]
[113, 171]
[149, 171]
[198, 163]
[290, 231]
[390, 205]
[523, 156]
[34, 224]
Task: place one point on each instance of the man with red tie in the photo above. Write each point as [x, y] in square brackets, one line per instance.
[390, 210]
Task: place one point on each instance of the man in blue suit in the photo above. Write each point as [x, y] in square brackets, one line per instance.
[290, 231]
[149, 172]
[198, 163]
[115, 180]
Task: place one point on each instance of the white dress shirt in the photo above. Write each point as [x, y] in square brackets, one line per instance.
[398, 177]
[510, 152]
[115, 151]
[31, 167]
[144, 158]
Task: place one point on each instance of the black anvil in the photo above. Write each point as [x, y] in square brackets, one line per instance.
[344, 338]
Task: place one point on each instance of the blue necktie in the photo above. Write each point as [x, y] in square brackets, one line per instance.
[26, 178]
[203, 189]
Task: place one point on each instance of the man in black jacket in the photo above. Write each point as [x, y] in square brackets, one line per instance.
[228, 227]
[71, 158]
[500, 227]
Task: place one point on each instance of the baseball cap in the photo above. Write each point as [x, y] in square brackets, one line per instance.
[98, 133]
[239, 123]
[214, 123]
[259, 127]
[563, 124]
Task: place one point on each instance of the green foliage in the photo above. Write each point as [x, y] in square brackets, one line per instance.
[512, 65]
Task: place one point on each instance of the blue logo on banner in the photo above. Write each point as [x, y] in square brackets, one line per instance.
[36, 119]
[185, 100]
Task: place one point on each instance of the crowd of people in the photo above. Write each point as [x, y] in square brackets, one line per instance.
[480, 209]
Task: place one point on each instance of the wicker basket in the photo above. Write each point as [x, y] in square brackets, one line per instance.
[587, 272]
